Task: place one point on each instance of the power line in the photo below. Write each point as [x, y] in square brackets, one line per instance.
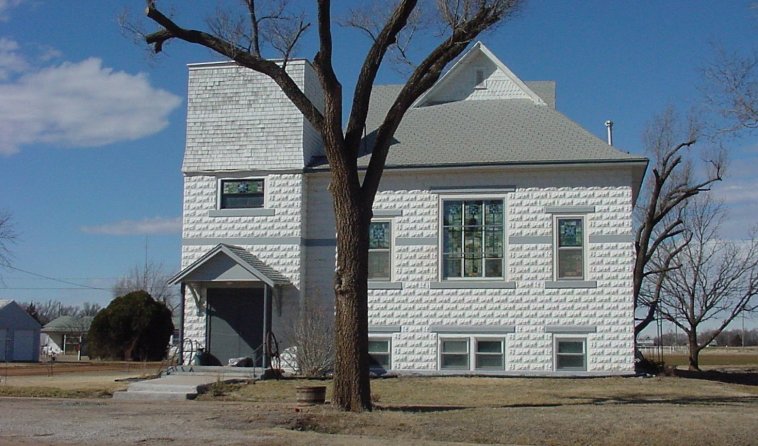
[78, 285]
[48, 288]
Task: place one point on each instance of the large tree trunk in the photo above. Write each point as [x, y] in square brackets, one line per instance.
[694, 349]
[351, 375]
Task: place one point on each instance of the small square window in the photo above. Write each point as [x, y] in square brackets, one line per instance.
[571, 354]
[241, 194]
[454, 354]
[380, 354]
[489, 354]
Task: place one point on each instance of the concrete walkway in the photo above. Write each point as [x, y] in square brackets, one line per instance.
[170, 387]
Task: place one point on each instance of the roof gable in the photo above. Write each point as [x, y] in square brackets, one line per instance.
[478, 75]
[229, 263]
[12, 315]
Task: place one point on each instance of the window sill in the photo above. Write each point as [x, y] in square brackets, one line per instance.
[473, 284]
[570, 284]
[383, 285]
[472, 329]
[257, 212]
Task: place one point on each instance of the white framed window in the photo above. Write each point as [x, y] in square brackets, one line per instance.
[472, 353]
[380, 353]
[380, 250]
[490, 354]
[243, 193]
[454, 353]
[570, 353]
[473, 238]
[570, 247]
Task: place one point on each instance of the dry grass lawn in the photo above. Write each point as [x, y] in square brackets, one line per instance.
[614, 411]
[431, 410]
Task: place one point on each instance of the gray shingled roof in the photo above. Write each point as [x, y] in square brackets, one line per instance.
[275, 276]
[481, 132]
[68, 324]
[247, 260]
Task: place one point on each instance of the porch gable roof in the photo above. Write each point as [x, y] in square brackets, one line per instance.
[241, 258]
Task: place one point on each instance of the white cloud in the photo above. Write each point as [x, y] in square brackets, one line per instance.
[5, 5]
[80, 104]
[146, 226]
[739, 192]
[11, 62]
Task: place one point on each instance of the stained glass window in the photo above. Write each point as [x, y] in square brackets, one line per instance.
[472, 238]
[380, 234]
[570, 249]
[236, 194]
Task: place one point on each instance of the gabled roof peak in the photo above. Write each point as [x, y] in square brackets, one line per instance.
[478, 75]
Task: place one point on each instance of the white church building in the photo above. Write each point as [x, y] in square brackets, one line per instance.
[501, 241]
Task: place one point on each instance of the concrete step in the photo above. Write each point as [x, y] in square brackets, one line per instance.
[170, 387]
[148, 386]
[127, 395]
[217, 371]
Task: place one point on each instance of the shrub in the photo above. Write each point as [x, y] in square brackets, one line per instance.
[133, 327]
[312, 341]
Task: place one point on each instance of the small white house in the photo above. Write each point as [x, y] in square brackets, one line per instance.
[19, 333]
[502, 233]
[66, 335]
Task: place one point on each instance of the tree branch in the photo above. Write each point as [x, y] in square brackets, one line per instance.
[254, 62]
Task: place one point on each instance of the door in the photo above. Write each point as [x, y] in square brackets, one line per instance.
[4, 347]
[23, 345]
[235, 323]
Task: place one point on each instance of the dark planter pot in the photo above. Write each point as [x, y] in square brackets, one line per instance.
[311, 395]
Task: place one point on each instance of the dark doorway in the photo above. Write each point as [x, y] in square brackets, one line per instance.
[235, 323]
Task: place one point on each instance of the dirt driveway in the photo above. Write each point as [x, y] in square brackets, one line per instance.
[27, 421]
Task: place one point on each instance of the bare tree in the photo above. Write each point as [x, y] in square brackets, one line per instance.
[7, 236]
[312, 336]
[715, 279]
[731, 90]
[674, 180]
[152, 278]
[45, 312]
[353, 194]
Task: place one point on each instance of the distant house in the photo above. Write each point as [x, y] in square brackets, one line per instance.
[19, 333]
[501, 240]
[65, 335]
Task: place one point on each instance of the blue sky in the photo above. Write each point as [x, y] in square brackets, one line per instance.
[92, 128]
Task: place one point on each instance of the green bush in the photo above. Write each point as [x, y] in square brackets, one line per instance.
[133, 327]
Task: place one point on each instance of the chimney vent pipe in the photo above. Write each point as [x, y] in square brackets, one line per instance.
[609, 125]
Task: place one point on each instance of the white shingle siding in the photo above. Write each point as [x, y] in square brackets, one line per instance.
[238, 119]
[530, 308]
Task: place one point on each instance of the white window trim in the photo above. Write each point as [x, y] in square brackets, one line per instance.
[389, 347]
[440, 231]
[585, 247]
[219, 182]
[574, 338]
[391, 278]
[471, 340]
